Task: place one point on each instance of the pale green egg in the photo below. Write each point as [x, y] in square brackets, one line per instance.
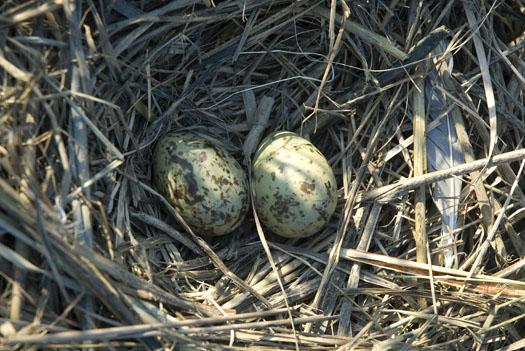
[202, 181]
[295, 191]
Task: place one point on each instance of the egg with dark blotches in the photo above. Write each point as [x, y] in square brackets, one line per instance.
[294, 187]
[202, 181]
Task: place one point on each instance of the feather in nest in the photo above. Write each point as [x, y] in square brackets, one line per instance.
[443, 152]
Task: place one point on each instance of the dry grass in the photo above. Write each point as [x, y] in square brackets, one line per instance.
[92, 257]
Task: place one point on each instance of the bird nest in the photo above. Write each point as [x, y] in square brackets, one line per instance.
[417, 106]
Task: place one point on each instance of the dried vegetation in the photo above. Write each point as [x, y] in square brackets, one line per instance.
[92, 257]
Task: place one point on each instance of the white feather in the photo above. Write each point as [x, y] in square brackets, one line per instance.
[443, 152]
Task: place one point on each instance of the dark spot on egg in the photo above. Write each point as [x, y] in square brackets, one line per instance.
[328, 186]
[307, 188]
[220, 180]
[322, 214]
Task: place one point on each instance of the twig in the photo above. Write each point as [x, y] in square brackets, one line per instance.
[390, 192]
[490, 285]
[485, 73]
[420, 166]
[480, 252]
[157, 329]
[355, 272]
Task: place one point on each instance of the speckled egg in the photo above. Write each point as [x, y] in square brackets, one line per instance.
[295, 192]
[202, 181]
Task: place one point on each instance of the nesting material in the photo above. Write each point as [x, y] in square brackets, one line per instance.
[94, 254]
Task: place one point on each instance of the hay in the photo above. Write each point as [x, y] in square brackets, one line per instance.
[91, 256]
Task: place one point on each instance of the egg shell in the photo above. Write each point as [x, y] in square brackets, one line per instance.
[202, 181]
[295, 191]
